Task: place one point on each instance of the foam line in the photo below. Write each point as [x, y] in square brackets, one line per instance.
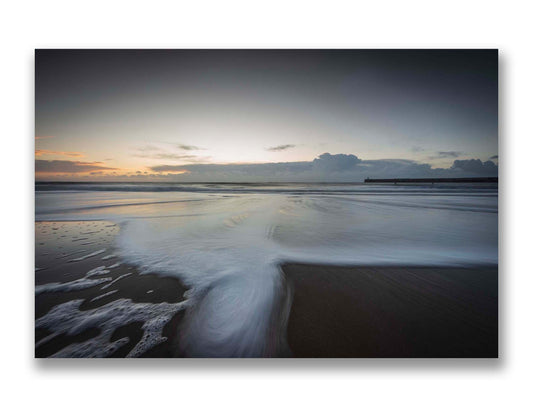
[96, 253]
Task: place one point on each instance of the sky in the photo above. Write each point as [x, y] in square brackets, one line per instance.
[264, 115]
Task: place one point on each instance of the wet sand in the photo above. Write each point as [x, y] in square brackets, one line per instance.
[393, 312]
[57, 245]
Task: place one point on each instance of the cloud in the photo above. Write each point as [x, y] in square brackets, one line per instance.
[281, 147]
[158, 153]
[65, 166]
[326, 168]
[39, 153]
[42, 137]
[180, 157]
[189, 147]
[447, 154]
[338, 162]
[476, 167]
[180, 146]
[494, 157]
[176, 157]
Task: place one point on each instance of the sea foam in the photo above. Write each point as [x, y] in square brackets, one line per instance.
[68, 319]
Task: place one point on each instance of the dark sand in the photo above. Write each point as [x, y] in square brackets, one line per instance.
[393, 311]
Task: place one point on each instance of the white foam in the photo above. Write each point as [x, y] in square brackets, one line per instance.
[68, 319]
[115, 280]
[113, 266]
[99, 297]
[96, 253]
[76, 285]
[63, 255]
[97, 271]
[232, 266]
[109, 256]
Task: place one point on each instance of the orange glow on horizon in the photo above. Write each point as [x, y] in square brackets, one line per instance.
[39, 153]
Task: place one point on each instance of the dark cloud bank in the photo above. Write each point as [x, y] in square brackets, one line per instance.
[68, 167]
[326, 168]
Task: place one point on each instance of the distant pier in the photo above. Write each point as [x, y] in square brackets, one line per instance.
[432, 180]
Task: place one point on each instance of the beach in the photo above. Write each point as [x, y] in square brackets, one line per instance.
[306, 270]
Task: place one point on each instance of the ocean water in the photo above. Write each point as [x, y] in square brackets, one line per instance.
[227, 241]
